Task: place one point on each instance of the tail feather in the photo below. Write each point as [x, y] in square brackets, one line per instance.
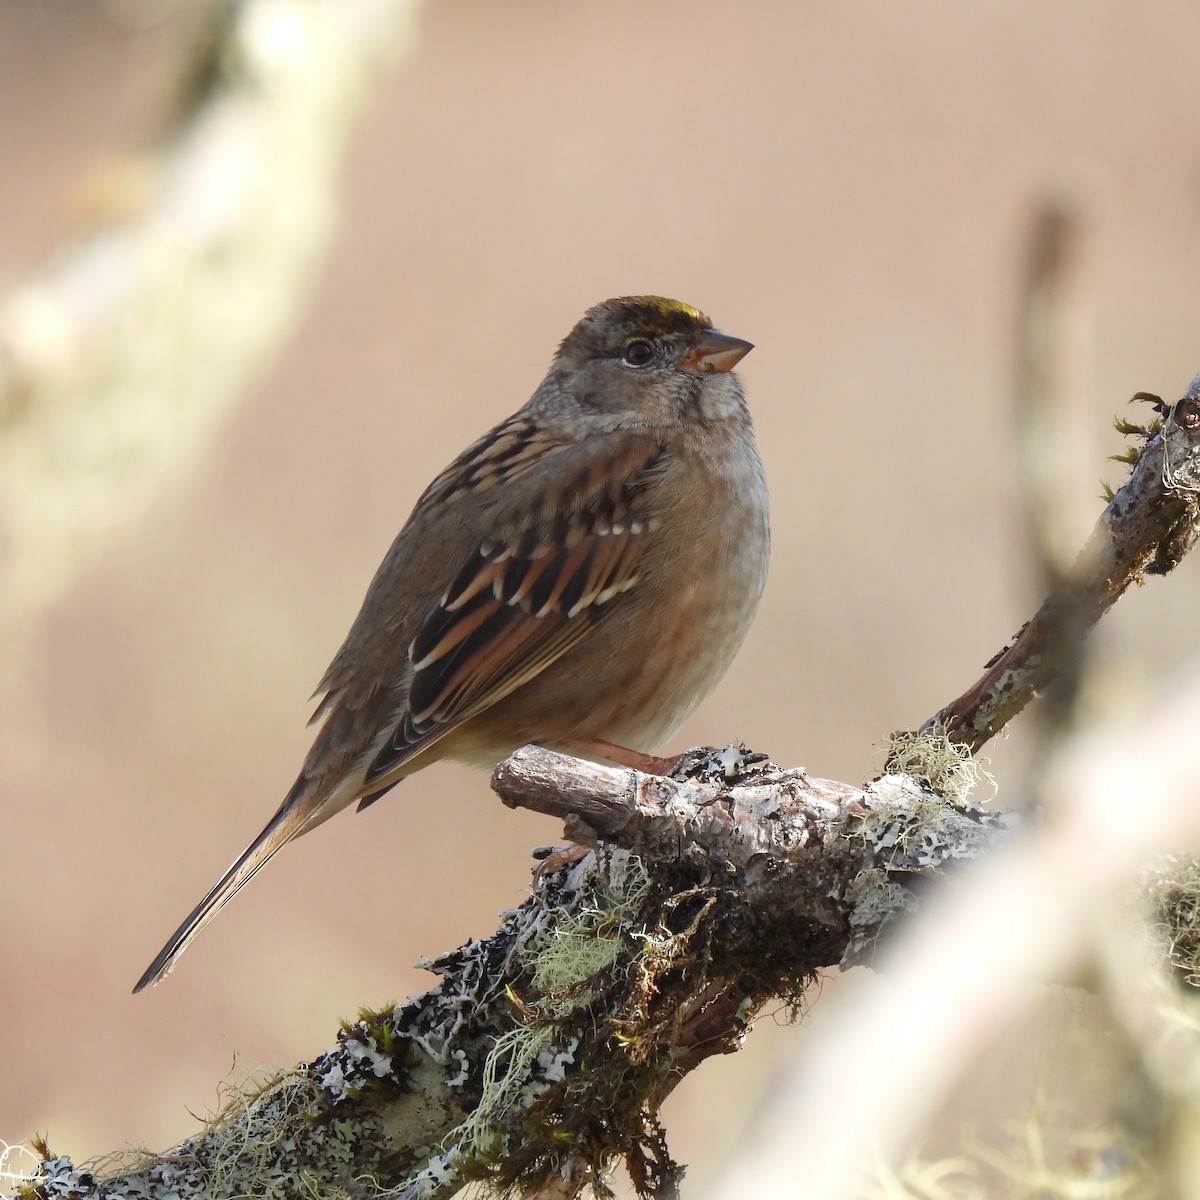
[285, 825]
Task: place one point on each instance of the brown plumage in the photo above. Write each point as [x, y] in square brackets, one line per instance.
[583, 572]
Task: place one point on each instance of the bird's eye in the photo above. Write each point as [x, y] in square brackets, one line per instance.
[639, 353]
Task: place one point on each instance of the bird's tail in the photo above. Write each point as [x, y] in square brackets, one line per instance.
[286, 824]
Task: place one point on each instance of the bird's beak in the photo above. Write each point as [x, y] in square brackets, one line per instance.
[715, 352]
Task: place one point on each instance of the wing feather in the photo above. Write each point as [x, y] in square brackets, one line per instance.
[523, 600]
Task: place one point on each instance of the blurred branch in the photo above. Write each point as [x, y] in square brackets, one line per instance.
[1051, 362]
[120, 360]
[1050, 369]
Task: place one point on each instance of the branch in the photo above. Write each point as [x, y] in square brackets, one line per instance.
[120, 361]
[544, 1053]
[1146, 529]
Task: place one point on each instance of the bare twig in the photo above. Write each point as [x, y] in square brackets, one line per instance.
[1147, 528]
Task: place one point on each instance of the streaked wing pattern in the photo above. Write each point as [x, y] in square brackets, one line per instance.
[519, 604]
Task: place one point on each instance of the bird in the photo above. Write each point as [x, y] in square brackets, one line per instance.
[579, 577]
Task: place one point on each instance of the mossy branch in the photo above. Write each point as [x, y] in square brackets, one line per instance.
[545, 1051]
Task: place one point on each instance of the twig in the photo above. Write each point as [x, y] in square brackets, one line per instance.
[1147, 528]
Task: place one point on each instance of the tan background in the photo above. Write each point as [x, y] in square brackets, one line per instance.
[847, 185]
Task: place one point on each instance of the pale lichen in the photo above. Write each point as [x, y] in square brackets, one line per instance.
[1173, 892]
[940, 765]
[566, 959]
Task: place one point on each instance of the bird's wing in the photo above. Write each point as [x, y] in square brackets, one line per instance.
[521, 600]
[524, 598]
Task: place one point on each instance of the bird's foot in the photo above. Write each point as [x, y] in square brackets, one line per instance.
[559, 858]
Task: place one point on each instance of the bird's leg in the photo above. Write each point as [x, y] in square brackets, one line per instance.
[635, 760]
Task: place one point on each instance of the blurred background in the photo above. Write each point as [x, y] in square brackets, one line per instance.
[848, 186]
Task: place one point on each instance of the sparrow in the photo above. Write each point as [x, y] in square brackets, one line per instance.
[579, 577]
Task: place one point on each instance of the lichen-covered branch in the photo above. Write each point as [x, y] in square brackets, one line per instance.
[542, 1057]
[120, 359]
